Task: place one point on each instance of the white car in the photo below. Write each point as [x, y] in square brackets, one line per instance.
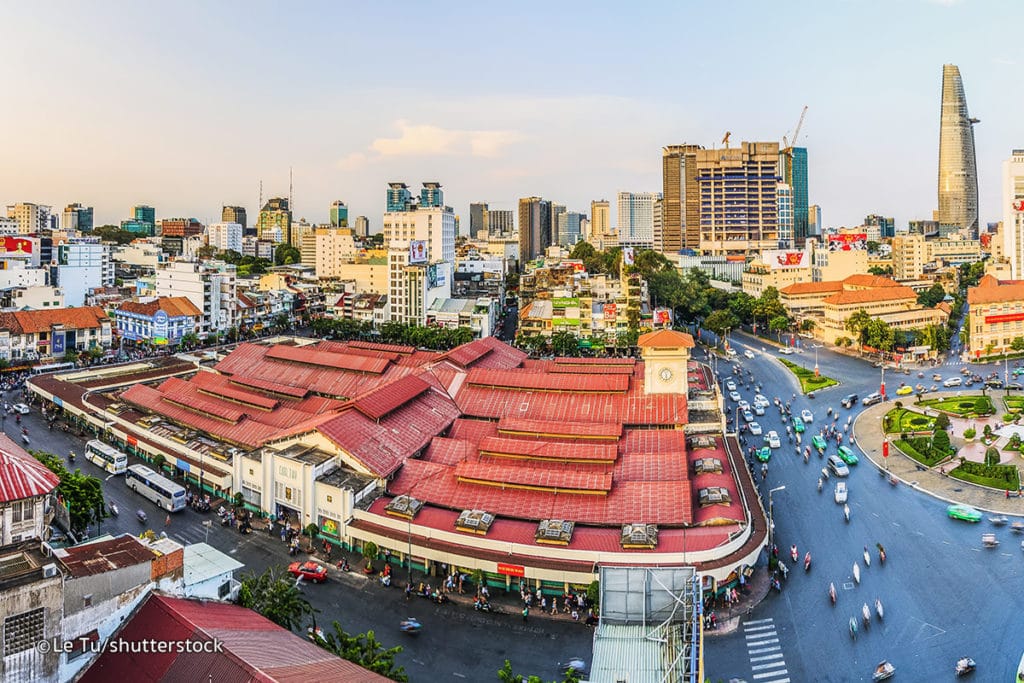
[734, 396]
[730, 385]
[806, 415]
[773, 439]
[786, 351]
[953, 382]
[758, 409]
[20, 408]
[748, 416]
[748, 353]
[761, 399]
[755, 429]
[840, 492]
[731, 353]
[743, 405]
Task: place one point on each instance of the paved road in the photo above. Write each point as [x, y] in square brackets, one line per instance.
[944, 595]
[457, 643]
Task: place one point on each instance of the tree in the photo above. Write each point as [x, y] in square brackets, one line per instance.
[720, 321]
[940, 441]
[370, 554]
[931, 296]
[878, 270]
[992, 455]
[872, 247]
[942, 421]
[364, 650]
[565, 343]
[189, 340]
[879, 335]
[507, 675]
[807, 325]
[275, 596]
[857, 323]
[1017, 344]
[285, 254]
[768, 306]
[82, 493]
[158, 461]
[647, 262]
[741, 305]
[778, 324]
[207, 251]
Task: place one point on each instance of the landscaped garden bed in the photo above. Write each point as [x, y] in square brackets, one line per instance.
[924, 449]
[1002, 477]
[808, 381]
[964, 406]
[1014, 404]
[901, 420]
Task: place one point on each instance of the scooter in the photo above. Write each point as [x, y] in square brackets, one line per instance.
[832, 593]
[964, 666]
[846, 512]
[879, 610]
[113, 509]
[794, 553]
[867, 557]
[856, 573]
[410, 626]
[866, 614]
[807, 562]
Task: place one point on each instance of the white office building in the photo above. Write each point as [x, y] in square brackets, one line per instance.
[1013, 213]
[211, 286]
[784, 194]
[636, 218]
[225, 236]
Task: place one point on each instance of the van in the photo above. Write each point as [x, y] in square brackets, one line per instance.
[953, 382]
[872, 399]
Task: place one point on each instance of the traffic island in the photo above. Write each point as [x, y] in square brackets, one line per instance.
[808, 380]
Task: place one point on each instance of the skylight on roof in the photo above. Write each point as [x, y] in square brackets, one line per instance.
[555, 531]
[404, 506]
[643, 536]
[474, 521]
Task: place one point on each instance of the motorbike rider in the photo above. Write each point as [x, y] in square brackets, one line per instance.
[793, 552]
[819, 484]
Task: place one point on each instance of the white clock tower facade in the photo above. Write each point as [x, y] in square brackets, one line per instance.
[665, 354]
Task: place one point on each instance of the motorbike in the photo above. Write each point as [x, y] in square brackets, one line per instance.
[410, 626]
[879, 610]
[794, 553]
[113, 509]
[856, 573]
[819, 484]
[866, 614]
[846, 512]
[71, 456]
[824, 473]
[853, 628]
[867, 557]
[141, 515]
[807, 562]
[832, 593]
[883, 671]
[964, 666]
[881, 553]
[344, 566]
[807, 456]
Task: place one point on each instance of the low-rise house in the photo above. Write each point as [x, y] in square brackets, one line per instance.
[163, 321]
[31, 335]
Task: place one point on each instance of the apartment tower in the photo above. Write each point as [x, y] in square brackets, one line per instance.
[534, 228]
[680, 213]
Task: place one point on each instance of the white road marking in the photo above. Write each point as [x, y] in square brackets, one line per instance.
[773, 673]
[758, 628]
[771, 665]
[763, 658]
[763, 649]
[758, 621]
[762, 642]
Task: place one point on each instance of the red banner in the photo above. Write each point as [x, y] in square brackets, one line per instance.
[511, 569]
[1008, 318]
[16, 245]
[885, 449]
[132, 441]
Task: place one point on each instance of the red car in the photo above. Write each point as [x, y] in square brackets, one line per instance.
[311, 571]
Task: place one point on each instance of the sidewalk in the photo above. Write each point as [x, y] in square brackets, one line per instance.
[867, 429]
[729, 617]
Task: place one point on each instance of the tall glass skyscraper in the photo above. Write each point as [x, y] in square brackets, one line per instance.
[793, 162]
[958, 173]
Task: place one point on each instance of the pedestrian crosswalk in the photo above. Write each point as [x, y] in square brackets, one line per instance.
[764, 651]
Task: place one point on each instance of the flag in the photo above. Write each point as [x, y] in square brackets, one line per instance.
[627, 256]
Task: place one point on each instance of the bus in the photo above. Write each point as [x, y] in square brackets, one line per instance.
[107, 457]
[52, 367]
[156, 487]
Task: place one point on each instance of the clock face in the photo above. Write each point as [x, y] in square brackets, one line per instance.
[665, 375]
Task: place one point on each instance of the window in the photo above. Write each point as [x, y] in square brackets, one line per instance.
[87, 600]
[22, 631]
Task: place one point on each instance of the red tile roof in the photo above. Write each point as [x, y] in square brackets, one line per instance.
[389, 397]
[104, 556]
[498, 446]
[472, 430]
[665, 339]
[514, 425]
[812, 288]
[253, 648]
[866, 296]
[865, 280]
[173, 306]
[517, 379]
[21, 475]
[34, 322]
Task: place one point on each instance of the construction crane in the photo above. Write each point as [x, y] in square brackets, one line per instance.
[725, 139]
[787, 148]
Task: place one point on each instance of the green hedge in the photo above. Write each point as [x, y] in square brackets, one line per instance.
[920, 449]
[964, 406]
[899, 420]
[1002, 477]
[808, 382]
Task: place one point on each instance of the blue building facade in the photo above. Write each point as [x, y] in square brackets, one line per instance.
[399, 197]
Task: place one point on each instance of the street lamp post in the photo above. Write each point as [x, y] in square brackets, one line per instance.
[881, 389]
[816, 347]
[771, 518]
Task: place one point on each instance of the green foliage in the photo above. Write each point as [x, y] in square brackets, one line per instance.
[1003, 477]
[900, 420]
[931, 296]
[239, 499]
[808, 382]
[507, 675]
[720, 321]
[970, 274]
[370, 551]
[114, 233]
[964, 406]
[940, 441]
[767, 306]
[922, 449]
[970, 433]
[275, 596]
[778, 324]
[857, 323]
[1014, 443]
[594, 593]
[82, 493]
[987, 431]
[942, 421]
[1017, 344]
[159, 460]
[807, 325]
[565, 343]
[878, 270]
[286, 255]
[992, 456]
[363, 649]
[312, 530]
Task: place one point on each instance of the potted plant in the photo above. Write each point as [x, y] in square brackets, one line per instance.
[369, 554]
[970, 433]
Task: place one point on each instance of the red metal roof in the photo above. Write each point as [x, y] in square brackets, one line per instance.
[558, 368]
[486, 353]
[21, 475]
[445, 451]
[220, 388]
[548, 450]
[517, 379]
[336, 361]
[514, 425]
[561, 479]
[272, 387]
[104, 556]
[372, 346]
[600, 362]
[253, 648]
[467, 354]
[472, 430]
[383, 400]
[634, 408]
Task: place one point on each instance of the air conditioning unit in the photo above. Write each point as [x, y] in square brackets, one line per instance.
[49, 571]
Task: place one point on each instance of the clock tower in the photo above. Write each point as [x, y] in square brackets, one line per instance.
[665, 354]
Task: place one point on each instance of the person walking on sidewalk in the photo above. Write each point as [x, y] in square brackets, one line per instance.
[526, 612]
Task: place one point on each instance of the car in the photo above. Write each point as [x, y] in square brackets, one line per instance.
[786, 351]
[20, 408]
[730, 385]
[743, 405]
[764, 454]
[848, 456]
[773, 439]
[905, 390]
[819, 443]
[731, 353]
[761, 400]
[837, 466]
[755, 429]
[953, 382]
[310, 571]
[1015, 386]
[849, 401]
[872, 398]
[748, 416]
[994, 383]
[964, 512]
[734, 396]
[798, 425]
[936, 377]
[806, 415]
[758, 409]
[748, 353]
[1016, 371]
[841, 492]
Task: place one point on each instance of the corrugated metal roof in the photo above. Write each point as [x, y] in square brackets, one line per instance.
[537, 381]
[559, 478]
[336, 361]
[273, 387]
[514, 425]
[383, 400]
[21, 475]
[548, 450]
[204, 562]
[104, 556]
[634, 653]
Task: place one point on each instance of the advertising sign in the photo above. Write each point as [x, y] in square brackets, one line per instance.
[579, 267]
[161, 325]
[663, 316]
[610, 311]
[511, 569]
[564, 302]
[417, 251]
[432, 276]
[782, 259]
[15, 246]
[57, 349]
[627, 256]
[852, 241]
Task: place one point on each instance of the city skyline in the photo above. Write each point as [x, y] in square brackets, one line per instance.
[574, 126]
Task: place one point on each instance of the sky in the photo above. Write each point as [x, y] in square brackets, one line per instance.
[187, 106]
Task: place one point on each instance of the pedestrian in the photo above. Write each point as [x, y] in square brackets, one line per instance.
[554, 605]
[526, 612]
[167, 521]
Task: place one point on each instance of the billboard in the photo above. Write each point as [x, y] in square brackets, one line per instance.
[783, 259]
[58, 347]
[417, 251]
[851, 241]
[15, 246]
[610, 311]
[564, 302]
[663, 316]
[627, 256]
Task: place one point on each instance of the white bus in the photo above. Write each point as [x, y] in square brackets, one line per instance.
[52, 367]
[107, 457]
[156, 487]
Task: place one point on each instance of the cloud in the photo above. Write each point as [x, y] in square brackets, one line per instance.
[421, 139]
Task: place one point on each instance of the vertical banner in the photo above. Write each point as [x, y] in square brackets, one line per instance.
[627, 256]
